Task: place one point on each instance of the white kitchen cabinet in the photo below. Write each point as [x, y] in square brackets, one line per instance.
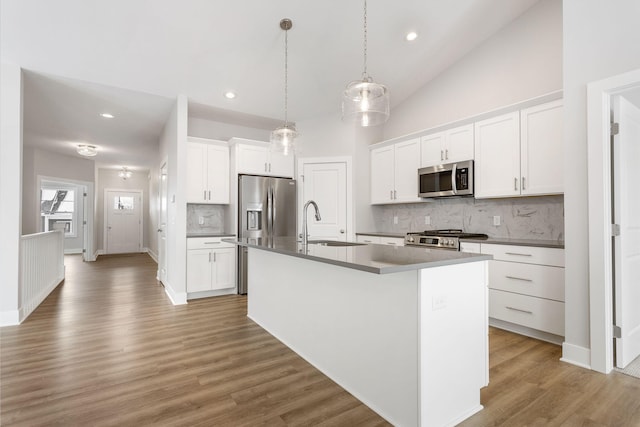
[207, 171]
[541, 149]
[526, 289]
[255, 158]
[392, 241]
[394, 172]
[366, 238]
[452, 145]
[520, 153]
[211, 265]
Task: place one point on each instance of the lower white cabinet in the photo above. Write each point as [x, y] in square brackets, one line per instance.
[211, 265]
[365, 238]
[526, 288]
[380, 240]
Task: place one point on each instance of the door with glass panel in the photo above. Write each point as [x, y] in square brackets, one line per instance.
[123, 226]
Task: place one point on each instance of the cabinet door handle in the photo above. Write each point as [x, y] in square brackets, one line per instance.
[214, 257]
[516, 253]
[209, 194]
[441, 155]
[446, 154]
[212, 243]
[519, 278]
[391, 243]
[265, 166]
[523, 183]
[515, 184]
[391, 194]
[367, 241]
[269, 167]
[204, 195]
[395, 194]
[209, 256]
[519, 310]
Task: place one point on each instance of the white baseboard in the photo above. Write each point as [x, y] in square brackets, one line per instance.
[72, 251]
[523, 330]
[576, 355]
[97, 253]
[152, 254]
[9, 318]
[30, 306]
[177, 298]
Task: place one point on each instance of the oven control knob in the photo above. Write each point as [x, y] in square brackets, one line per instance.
[410, 239]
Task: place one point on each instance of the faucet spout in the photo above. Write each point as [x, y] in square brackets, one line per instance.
[305, 232]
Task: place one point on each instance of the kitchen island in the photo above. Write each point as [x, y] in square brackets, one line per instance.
[402, 329]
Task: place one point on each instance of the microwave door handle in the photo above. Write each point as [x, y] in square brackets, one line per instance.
[453, 179]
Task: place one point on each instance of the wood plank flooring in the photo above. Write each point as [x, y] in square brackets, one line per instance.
[107, 348]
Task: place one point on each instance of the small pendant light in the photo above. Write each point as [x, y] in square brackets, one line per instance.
[365, 101]
[282, 138]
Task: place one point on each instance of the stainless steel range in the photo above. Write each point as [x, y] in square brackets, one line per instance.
[443, 239]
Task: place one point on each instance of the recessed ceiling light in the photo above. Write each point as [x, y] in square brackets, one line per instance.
[411, 36]
[87, 150]
[107, 115]
[229, 94]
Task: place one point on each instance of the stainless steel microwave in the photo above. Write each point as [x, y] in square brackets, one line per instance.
[451, 179]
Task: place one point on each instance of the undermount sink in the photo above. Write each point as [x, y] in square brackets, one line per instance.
[334, 243]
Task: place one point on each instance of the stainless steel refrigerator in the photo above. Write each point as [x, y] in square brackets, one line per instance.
[266, 209]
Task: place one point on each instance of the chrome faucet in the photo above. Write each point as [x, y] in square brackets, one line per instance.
[305, 232]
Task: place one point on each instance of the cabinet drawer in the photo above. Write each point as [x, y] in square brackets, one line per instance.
[394, 241]
[525, 254]
[470, 247]
[365, 238]
[537, 313]
[208, 242]
[536, 280]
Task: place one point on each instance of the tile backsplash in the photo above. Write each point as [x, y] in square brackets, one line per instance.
[520, 218]
[213, 218]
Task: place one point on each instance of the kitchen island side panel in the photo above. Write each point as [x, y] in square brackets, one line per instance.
[359, 328]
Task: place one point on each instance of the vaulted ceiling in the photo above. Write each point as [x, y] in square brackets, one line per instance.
[133, 57]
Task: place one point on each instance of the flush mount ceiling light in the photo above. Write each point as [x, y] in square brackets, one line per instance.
[124, 173]
[229, 94]
[87, 150]
[107, 115]
[365, 101]
[411, 36]
[282, 138]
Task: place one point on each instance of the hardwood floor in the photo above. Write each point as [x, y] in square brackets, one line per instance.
[108, 348]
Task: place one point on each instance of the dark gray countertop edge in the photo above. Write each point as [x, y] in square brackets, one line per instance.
[367, 268]
[558, 244]
[190, 235]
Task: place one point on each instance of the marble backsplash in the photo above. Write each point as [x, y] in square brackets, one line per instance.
[213, 217]
[520, 218]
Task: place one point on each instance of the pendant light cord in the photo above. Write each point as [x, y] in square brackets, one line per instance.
[365, 76]
[286, 74]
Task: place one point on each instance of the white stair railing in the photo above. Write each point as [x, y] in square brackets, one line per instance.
[41, 268]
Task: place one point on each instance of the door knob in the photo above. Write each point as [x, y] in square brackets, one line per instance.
[342, 231]
[159, 230]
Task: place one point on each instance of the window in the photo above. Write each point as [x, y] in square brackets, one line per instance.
[123, 203]
[58, 210]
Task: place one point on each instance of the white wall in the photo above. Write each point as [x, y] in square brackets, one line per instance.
[10, 190]
[601, 39]
[521, 61]
[211, 129]
[154, 210]
[109, 179]
[38, 162]
[172, 147]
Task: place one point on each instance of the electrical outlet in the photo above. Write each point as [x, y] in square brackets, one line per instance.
[427, 220]
[201, 220]
[496, 220]
[438, 302]
[395, 219]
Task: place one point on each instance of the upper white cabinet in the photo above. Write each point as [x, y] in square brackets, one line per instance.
[520, 153]
[452, 145]
[394, 172]
[541, 149]
[255, 158]
[207, 171]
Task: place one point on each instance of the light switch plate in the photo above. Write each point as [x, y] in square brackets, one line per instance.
[395, 219]
[427, 220]
[201, 220]
[496, 220]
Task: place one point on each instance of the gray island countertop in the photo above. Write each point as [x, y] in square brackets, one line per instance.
[379, 259]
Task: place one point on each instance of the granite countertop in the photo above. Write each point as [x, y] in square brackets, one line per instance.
[377, 259]
[189, 235]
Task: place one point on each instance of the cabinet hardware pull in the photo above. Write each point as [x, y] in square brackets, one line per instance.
[211, 243]
[446, 154]
[391, 243]
[523, 183]
[209, 256]
[516, 253]
[395, 194]
[519, 309]
[391, 194]
[515, 184]
[209, 194]
[269, 167]
[441, 155]
[265, 166]
[367, 241]
[214, 257]
[519, 278]
[204, 196]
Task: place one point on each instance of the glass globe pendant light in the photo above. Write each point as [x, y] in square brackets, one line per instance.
[282, 138]
[365, 101]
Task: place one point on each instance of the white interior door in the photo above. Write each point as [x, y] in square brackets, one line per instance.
[124, 221]
[326, 184]
[626, 213]
[162, 225]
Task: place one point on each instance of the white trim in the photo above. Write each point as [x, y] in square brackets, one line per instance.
[348, 161]
[152, 254]
[9, 318]
[599, 194]
[576, 355]
[106, 212]
[73, 251]
[176, 298]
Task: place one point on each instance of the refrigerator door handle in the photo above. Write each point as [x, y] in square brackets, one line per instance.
[273, 213]
[269, 213]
